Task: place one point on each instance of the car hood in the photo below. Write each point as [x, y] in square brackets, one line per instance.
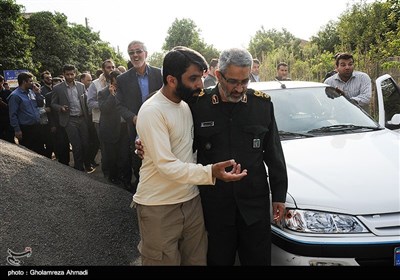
[351, 173]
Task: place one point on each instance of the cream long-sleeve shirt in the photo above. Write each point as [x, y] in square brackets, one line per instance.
[168, 174]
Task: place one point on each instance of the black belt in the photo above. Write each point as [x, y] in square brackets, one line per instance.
[76, 116]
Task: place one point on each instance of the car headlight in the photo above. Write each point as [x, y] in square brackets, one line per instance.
[322, 222]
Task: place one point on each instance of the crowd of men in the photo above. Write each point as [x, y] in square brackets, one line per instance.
[203, 210]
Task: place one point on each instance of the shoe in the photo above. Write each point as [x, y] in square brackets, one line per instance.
[94, 164]
[90, 170]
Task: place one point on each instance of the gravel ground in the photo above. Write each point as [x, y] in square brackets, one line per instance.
[65, 216]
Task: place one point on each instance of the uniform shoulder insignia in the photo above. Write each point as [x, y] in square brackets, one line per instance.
[214, 99]
[261, 94]
[203, 92]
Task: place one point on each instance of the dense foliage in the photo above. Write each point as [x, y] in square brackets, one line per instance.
[46, 41]
[371, 31]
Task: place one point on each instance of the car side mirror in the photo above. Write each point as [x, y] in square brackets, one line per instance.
[395, 120]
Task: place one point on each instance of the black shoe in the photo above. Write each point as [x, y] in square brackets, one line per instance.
[90, 170]
[94, 164]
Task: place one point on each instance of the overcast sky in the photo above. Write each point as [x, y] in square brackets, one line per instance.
[223, 24]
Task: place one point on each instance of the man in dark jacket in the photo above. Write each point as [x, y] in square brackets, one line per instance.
[134, 86]
[69, 100]
[232, 121]
[114, 134]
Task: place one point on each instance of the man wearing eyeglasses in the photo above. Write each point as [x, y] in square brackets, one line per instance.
[232, 121]
[134, 86]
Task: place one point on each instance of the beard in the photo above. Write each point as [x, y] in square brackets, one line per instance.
[185, 93]
[233, 96]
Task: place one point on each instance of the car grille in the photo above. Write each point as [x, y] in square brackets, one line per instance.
[383, 224]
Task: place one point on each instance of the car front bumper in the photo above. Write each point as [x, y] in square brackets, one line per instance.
[290, 248]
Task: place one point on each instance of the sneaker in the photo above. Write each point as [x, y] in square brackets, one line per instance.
[90, 170]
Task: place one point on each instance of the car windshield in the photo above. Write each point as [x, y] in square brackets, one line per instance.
[317, 110]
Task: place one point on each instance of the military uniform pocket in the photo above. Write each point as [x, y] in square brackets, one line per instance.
[253, 137]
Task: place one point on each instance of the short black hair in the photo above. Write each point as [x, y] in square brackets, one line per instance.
[69, 67]
[281, 64]
[24, 77]
[177, 60]
[344, 56]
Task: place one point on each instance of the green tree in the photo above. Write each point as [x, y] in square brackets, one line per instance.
[91, 51]
[16, 44]
[264, 42]
[327, 38]
[185, 32]
[370, 32]
[182, 32]
[54, 44]
[59, 43]
[156, 59]
[261, 44]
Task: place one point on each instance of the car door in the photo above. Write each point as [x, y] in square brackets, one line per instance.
[388, 95]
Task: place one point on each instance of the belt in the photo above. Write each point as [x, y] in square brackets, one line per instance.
[80, 116]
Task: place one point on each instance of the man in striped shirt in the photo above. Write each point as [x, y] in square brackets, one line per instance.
[356, 85]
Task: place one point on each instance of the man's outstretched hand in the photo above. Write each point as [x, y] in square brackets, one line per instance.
[218, 169]
[236, 174]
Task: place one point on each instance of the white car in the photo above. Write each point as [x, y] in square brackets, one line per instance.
[343, 200]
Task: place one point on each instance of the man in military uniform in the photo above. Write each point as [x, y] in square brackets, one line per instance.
[232, 121]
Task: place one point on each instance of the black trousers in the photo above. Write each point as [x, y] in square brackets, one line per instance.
[6, 131]
[116, 157]
[252, 243]
[78, 136]
[31, 138]
[61, 145]
[94, 143]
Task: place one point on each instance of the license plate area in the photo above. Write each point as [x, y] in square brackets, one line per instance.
[397, 256]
